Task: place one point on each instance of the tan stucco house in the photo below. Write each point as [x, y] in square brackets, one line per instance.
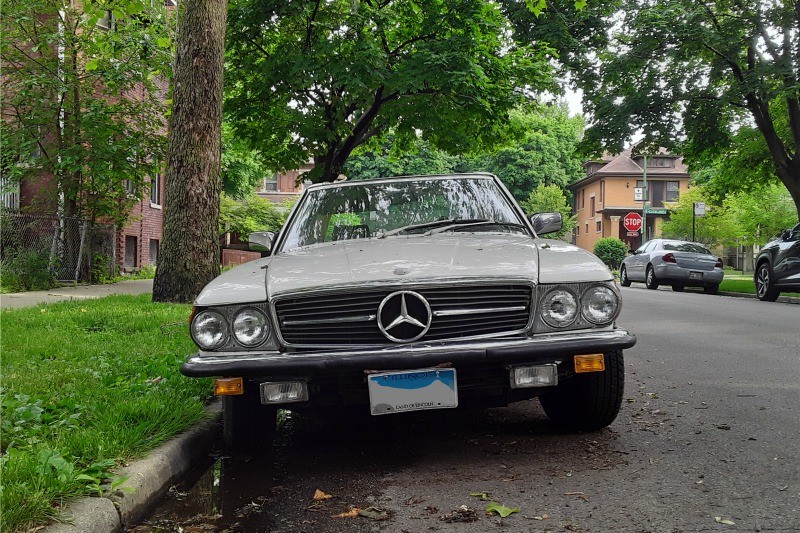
[603, 197]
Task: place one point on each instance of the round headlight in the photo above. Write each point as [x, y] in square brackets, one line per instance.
[559, 308]
[599, 305]
[250, 327]
[209, 330]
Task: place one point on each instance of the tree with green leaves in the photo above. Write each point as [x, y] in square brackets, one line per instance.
[384, 159]
[694, 74]
[543, 151]
[312, 79]
[84, 100]
[713, 228]
[242, 168]
[551, 199]
[250, 213]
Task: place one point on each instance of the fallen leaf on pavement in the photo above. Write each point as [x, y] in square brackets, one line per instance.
[726, 427]
[352, 513]
[725, 521]
[374, 513]
[319, 495]
[462, 514]
[482, 495]
[502, 510]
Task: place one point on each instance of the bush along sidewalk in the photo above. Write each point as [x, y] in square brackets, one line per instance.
[87, 386]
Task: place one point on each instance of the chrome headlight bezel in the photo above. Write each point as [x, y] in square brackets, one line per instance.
[233, 342]
[581, 321]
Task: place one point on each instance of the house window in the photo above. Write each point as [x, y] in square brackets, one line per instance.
[155, 189]
[587, 228]
[130, 251]
[662, 162]
[271, 183]
[130, 190]
[598, 226]
[673, 191]
[591, 205]
[577, 230]
[153, 258]
[583, 198]
[602, 190]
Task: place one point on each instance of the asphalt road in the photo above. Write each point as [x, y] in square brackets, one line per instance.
[708, 439]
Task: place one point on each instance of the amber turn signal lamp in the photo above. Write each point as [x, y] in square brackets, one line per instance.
[228, 386]
[589, 363]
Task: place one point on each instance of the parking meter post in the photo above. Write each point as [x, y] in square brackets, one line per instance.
[694, 209]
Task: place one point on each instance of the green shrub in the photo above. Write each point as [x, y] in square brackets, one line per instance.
[611, 251]
[26, 270]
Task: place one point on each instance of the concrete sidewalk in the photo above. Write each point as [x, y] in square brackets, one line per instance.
[74, 292]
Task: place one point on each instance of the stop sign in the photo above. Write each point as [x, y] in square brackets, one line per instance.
[632, 222]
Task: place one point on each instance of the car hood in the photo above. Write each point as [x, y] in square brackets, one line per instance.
[401, 260]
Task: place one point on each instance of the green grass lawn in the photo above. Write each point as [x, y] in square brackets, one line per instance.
[85, 386]
[745, 285]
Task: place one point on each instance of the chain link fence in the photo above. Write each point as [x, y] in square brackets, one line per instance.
[38, 250]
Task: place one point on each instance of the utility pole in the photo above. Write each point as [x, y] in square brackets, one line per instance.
[644, 200]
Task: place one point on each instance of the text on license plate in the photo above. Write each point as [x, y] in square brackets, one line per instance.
[695, 275]
[412, 390]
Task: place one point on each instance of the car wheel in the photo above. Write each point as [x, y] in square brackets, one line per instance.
[765, 287]
[711, 289]
[248, 425]
[623, 277]
[650, 280]
[590, 401]
[677, 288]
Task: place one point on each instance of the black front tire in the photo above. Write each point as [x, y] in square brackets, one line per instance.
[650, 278]
[765, 287]
[677, 288]
[247, 425]
[590, 401]
[623, 277]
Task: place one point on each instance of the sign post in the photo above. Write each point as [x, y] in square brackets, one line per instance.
[698, 210]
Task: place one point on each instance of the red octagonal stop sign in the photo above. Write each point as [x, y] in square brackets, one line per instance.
[632, 222]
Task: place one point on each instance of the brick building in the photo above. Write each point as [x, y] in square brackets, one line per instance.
[282, 186]
[603, 197]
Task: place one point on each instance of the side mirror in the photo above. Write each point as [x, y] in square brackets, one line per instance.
[544, 223]
[786, 235]
[632, 252]
[261, 241]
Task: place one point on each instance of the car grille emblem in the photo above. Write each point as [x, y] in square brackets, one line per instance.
[404, 316]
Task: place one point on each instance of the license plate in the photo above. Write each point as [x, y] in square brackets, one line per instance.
[412, 390]
[695, 275]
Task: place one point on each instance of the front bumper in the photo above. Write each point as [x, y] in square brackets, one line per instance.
[543, 347]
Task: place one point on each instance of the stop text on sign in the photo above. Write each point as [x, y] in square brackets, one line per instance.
[632, 221]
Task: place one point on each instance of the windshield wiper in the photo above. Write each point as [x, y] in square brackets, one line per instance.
[461, 224]
[435, 223]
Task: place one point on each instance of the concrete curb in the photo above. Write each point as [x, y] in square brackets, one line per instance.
[149, 479]
[781, 299]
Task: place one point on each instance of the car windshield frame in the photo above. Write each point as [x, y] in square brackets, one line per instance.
[401, 207]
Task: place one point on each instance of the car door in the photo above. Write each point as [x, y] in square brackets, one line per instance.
[786, 269]
[639, 261]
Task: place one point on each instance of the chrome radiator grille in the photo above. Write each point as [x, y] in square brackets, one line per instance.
[334, 319]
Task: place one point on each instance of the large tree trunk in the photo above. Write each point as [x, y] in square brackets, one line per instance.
[189, 255]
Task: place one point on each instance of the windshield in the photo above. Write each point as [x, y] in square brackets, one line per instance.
[686, 247]
[360, 210]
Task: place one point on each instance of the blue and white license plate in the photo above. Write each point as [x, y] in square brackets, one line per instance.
[412, 390]
[695, 275]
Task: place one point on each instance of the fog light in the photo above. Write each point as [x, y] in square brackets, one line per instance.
[594, 362]
[534, 376]
[228, 386]
[284, 392]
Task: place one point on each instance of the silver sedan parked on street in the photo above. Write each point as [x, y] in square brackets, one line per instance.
[677, 263]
